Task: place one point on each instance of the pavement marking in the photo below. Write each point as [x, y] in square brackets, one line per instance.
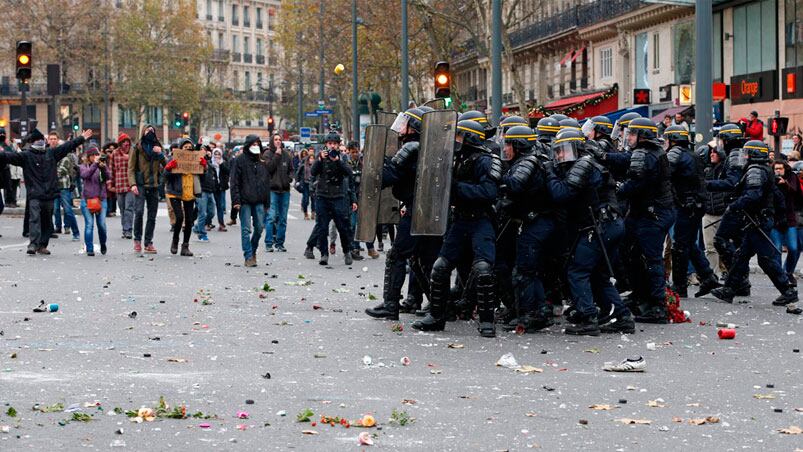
[18, 245]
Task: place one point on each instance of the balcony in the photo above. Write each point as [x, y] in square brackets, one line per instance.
[221, 19]
[221, 55]
[235, 21]
[260, 59]
[259, 25]
[208, 17]
[246, 23]
[236, 57]
[248, 58]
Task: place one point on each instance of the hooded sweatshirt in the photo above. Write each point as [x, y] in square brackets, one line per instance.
[144, 165]
[249, 179]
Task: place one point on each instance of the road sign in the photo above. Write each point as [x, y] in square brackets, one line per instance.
[305, 134]
[323, 111]
[310, 114]
[321, 103]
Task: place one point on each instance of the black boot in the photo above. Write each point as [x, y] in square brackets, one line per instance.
[724, 293]
[681, 291]
[324, 259]
[410, 305]
[530, 322]
[485, 298]
[174, 247]
[185, 250]
[788, 297]
[655, 313]
[743, 290]
[423, 310]
[382, 311]
[707, 285]
[622, 324]
[439, 294]
[587, 326]
[308, 253]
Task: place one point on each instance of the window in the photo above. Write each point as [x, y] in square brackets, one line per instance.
[259, 18]
[236, 77]
[259, 47]
[208, 9]
[220, 10]
[153, 115]
[246, 45]
[91, 115]
[656, 51]
[126, 118]
[220, 43]
[246, 17]
[235, 44]
[606, 62]
[716, 71]
[752, 51]
[247, 81]
[640, 50]
[259, 80]
[683, 51]
[235, 18]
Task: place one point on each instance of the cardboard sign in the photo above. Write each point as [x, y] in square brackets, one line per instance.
[189, 162]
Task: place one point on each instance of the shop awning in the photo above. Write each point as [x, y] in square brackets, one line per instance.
[658, 117]
[573, 100]
[581, 105]
[566, 57]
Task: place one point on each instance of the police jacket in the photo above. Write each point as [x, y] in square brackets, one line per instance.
[688, 176]
[587, 184]
[715, 201]
[756, 191]
[525, 185]
[476, 176]
[249, 180]
[39, 167]
[731, 174]
[399, 172]
[648, 186]
[334, 177]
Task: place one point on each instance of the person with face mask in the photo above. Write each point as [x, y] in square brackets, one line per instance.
[221, 169]
[38, 165]
[145, 164]
[125, 198]
[182, 190]
[250, 195]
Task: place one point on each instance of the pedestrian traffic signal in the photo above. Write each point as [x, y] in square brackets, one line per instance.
[75, 125]
[177, 120]
[777, 126]
[443, 80]
[641, 96]
[24, 60]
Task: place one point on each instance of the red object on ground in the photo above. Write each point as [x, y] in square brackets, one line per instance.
[726, 333]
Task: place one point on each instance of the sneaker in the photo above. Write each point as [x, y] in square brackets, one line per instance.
[103, 249]
[332, 248]
[137, 246]
[324, 260]
[585, 327]
[128, 235]
[203, 239]
[380, 246]
[150, 249]
[269, 248]
[251, 262]
[44, 251]
[58, 231]
[209, 227]
[75, 238]
[347, 258]
[222, 228]
[31, 249]
[281, 248]
[373, 254]
[90, 253]
[628, 365]
[788, 297]
[231, 222]
[308, 253]
[355, 254]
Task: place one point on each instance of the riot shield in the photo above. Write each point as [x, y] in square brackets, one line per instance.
[373, 156]
[388, 204]
[434, 173]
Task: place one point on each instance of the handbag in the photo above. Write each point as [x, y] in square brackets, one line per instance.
[94, 205]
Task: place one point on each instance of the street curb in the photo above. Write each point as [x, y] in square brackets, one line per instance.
[21, 210]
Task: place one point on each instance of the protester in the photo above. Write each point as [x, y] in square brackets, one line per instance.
[785, 231]
[15, 172]
[304, 183]
[797, 148]
[66, 171]
[280, 167]
[667, 121]
[221, 174]
[181, 190]
[753, 127]
[125, 198]
[111, 200]
[680, 121]
[5, 175]
[94, 175]
[39, 169]
[144, 166]
[715, 204]
[207, 196]
[250, 184]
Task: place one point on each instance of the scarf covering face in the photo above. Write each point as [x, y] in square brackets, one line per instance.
[148, 141]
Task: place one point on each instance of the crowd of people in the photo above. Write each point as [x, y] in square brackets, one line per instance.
[560, 214]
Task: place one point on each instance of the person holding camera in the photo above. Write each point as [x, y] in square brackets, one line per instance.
[785, 231]
[94, 175]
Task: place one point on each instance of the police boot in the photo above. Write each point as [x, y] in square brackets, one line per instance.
[621, 323]
[585, 326]
[743, 289]
[439, 291]
[787, 297]
[485, 298]
[410, 305]
[724, 293]
[707, 285]
[382, 311]
[654, 313]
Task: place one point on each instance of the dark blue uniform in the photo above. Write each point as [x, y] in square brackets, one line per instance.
[525, 185]
[649, 218]
[586, 188]
[333, 202]
[688, 180]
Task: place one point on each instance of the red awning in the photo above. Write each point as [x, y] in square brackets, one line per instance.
[565, 58]
[569, 101]
[578, 53]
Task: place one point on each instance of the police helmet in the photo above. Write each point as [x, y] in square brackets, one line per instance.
[568, 146]
[521, 137]
[599, 124]
[558, 117]
[569, 123]
[513, 121]
[756, 151]
[547, 128]
[643, 128]
[622, 123]
[729, 132]
[677, 135]
[406, 120]
[474, 115]
[472, 132]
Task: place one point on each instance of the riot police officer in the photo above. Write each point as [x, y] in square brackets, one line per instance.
[755, 200]
[618, 132]
[688, 179]
[649, 218]
[524, 185]
[545, 130]
[588, 192]
[597, 131]
[488, 129]
[729, 233]
[475, 178]
[399, 173]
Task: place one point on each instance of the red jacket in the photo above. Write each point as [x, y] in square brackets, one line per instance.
[754, 130]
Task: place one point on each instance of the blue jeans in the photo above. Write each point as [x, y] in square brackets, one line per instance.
[202, 206]
[220, 206]
[355, 245]
[789, 237]
[276, 221]
[249, 234]
[210, 209]
[89, 225]
[64, 202]
[305, 198]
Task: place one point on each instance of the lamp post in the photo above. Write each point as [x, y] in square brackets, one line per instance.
[355, 112]
[405, 93]
[703, 57]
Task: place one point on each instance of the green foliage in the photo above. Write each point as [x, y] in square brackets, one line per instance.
[305, 415]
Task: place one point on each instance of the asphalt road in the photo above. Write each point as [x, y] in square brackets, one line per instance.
[205, 335]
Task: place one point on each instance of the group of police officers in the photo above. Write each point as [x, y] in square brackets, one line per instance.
[560, 212]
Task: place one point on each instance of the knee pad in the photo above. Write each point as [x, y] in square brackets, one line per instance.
[482, 268]
[441, 269]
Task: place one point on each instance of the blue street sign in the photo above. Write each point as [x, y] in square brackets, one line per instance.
[324, 112]
[305, 132]
[310, 114]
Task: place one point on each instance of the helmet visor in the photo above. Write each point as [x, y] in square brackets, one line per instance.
[400, 123]
[565, 149]
[587, 128]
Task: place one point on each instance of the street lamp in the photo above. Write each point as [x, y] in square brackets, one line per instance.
[355, 113]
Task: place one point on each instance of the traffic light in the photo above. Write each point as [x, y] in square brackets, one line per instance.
[443, 80]
[641, 96]
[24, 60]
[185, 118]
[777, 126]
[75, 125]
[270, 124]
[177, 120]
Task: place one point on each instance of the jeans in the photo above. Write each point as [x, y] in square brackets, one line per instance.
[276, 221]
[126, 202]
[89, 225]
[220, 206]
[250, 233]
[149, 196]
[184, 212]
[789, 238]
[64, 202]
[355, 245]
[305, 198]
[40, 221]
[203, 204]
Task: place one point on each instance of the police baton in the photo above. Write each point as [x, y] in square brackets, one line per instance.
[601, 242]
[764, 234]
[712, 224]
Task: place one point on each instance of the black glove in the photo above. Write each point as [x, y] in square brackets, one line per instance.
[596, 150]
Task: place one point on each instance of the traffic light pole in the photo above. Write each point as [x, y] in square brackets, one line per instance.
[354, 99]
[496, 62]
[777, 139]
[703, 56]
[405, 93]
[24, 112]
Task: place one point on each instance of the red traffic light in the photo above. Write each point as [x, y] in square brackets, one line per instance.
[778, 126]
[185, 115]
[443, 80]
[270, 120]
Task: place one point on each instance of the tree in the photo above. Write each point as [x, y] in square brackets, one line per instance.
[159, 52]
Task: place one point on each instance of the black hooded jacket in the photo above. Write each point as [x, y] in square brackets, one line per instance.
[249, 178]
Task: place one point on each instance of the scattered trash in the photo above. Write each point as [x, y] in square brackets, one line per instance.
[309, 432]
[651, 346]
[176, 360]
[266, 376]
[508, 361]
[405, 361]
[726, 325]
[132, 315]
[242, 415]
[341, 290]
[628, 421]
[397, 328]
[453, 345]
[583, 422]
[657, 403]
[11, 412]
[726, 333]
[778, 410]
[529, 370]
[627, 365]
[764, 396]
[205, 426]
[303, 416]
[364, 439]
[52, 307]
[623, 401]
[599, 407]
[249, 402]
[592, 350]
[368, 421]
[706, 420]
[791, 430]
[367, 360]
